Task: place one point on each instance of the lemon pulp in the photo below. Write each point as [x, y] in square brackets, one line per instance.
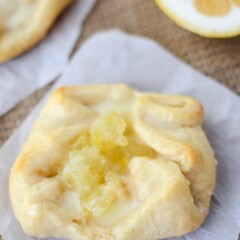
[213, 7]
[209, 18]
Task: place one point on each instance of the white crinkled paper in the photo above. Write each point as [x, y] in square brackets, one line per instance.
[45, 62]
[117, 57]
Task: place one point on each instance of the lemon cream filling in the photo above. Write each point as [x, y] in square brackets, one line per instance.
[97, 168]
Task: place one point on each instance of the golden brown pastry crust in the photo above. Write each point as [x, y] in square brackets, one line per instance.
[16, 41]
[174, 190]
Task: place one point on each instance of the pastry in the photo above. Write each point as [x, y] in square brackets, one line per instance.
[108, 162]
[23, 23]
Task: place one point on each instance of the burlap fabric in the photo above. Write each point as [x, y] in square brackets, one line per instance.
[217, 58]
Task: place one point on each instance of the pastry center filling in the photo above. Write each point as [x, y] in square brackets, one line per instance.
[13, 13]
[97, 166]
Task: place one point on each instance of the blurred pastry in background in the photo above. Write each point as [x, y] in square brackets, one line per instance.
[23, 23]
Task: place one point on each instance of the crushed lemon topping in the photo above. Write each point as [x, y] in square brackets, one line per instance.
[99, 160]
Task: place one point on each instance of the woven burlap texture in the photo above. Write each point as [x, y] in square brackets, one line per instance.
[218, 58]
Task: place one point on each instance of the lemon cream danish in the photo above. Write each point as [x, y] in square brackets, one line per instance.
[108, 162]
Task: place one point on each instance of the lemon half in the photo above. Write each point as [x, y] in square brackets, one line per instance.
[209, 18]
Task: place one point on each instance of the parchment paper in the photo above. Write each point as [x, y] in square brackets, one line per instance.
[42, 64]
[117, 57]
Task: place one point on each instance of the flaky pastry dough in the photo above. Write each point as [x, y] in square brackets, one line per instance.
[23, 23]
[165, 185]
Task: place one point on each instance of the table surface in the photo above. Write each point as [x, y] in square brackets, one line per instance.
[218, 58]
